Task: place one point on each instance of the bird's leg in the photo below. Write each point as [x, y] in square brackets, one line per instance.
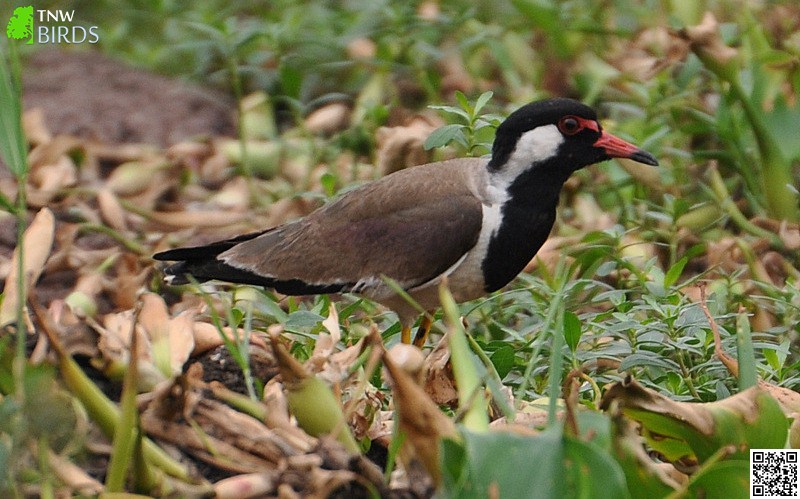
[422, 331]
[405, 334]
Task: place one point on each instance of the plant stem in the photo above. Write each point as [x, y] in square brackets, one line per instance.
[776, 175]
[556, 361]
[729, 207]
[19, 165]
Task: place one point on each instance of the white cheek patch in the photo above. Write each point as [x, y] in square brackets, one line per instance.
[533, 146]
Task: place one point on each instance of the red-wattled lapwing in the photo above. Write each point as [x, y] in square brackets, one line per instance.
[476, 221]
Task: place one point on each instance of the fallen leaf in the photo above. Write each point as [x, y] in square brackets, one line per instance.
[182, 219]
[111, 210]
[37, 244]
[328, 119]
[401, 147]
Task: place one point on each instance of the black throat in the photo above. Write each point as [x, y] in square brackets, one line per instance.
[527, 218]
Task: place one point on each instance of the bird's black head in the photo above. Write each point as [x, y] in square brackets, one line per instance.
[563, 133]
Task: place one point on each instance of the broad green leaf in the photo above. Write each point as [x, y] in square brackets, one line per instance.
[750, 419]
[454, 464]
[722, 480]
[783, 122]
[549, 465]
[444, 135]
[644, 478]
[302, 319]
[503, 360]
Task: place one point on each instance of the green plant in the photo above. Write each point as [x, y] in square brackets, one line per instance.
[474, 134]
[769, 175]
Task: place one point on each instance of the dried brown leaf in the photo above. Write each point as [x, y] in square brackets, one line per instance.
[329, 119]
[172, 339]
[115, 338]
[73, 476]
[277, 405]
[181, 340]
[246, 486]
[411, 359]
[111, 210]
[790, 235]
[154, 317]
[206, 336]
[419, 418]
[439, 381]
[789, 400]
[706, 36]
[53, 150]
[33, 124]
[50, 179]
[401, 147]
[705, 40]
[361, 48]
[182, 219]
[135, 177]
[234, 195]
[37, 244]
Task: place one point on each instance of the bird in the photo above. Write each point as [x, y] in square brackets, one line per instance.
[476, 222]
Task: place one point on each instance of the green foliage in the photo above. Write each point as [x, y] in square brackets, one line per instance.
[564, 466]
[471, 134]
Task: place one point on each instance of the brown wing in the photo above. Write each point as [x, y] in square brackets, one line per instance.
[411, 226]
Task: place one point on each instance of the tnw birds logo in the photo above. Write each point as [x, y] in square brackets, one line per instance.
[20, 26]
[52, 26]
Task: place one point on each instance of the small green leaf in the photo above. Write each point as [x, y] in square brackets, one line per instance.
[454, 110]
[444, 135]
[302, 320]
[772, 359]
[745, 353]
[454, 463]
[482, 100]
[236, 316]
[572, 330]
[647, 359]
[464, 102]
[6, 204]
[503, 360]
[675, 272]
[328, 181]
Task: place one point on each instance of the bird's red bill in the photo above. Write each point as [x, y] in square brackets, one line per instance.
[615, 147]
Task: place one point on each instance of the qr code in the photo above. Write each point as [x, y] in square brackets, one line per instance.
[773, 473]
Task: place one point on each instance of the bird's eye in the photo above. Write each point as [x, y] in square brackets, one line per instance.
[569, 125]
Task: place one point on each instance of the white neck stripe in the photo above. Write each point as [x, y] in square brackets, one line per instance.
[533, 146]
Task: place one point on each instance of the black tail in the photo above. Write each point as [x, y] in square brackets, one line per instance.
[202, 264]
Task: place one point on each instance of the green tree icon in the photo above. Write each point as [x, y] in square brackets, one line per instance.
[20, 26]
